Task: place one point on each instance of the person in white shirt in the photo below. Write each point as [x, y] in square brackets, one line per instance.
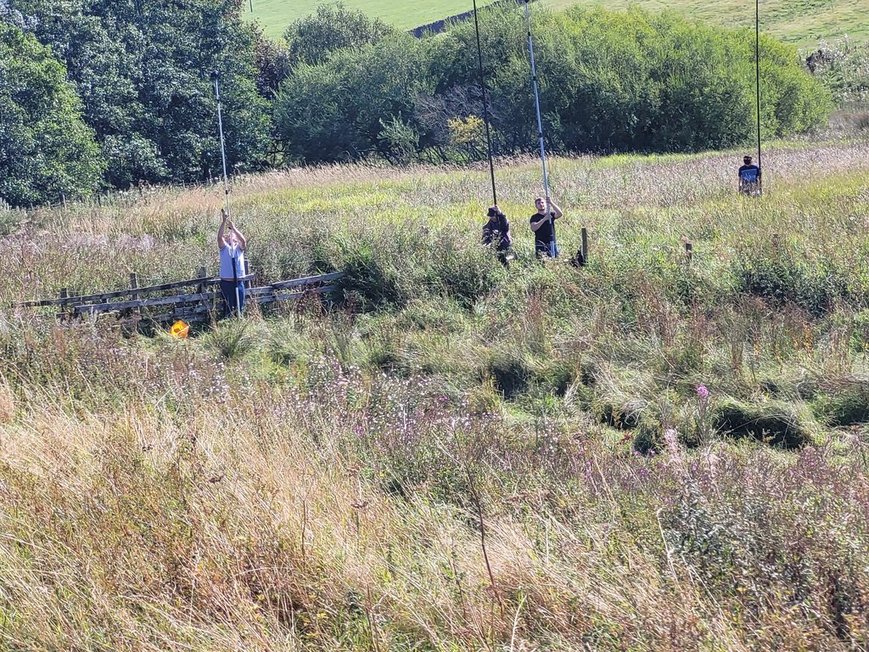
[232, 245]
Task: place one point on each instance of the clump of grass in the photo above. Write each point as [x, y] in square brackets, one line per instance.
[775, 423]
[233, 339]
[848, 405]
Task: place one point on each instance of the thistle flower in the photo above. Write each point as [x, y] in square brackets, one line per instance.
[702, 392]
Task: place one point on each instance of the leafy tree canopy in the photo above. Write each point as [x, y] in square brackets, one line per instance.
[46, 151]
[142, 71]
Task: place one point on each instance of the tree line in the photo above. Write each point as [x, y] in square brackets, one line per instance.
[102, 94]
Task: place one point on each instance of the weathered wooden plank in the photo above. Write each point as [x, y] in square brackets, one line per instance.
[104, 296]
[144, 303]
[113, 295]
[273, 297]
[308, 280]
[194, 312]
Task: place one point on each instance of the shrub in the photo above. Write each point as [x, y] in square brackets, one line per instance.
[232, 338]
[649, 437]
[787, 277]
[368, 282]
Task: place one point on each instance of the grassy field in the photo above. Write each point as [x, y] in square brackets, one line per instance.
[802, 22]
[643, 454]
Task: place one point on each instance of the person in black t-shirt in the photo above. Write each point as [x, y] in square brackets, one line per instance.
[496, 233]
[749, 177]
[543, 225]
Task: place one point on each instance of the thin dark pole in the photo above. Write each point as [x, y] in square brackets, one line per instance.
[486, 117]
[216, 77]
[553, 244]
[757, 84]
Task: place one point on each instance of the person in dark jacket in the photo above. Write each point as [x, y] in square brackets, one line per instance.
[496, 233]
[749, 177]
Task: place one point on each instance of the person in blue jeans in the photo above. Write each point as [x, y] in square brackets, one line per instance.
[232, 245]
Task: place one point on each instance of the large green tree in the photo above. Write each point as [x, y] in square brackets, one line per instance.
[46, 150]
[142, 71]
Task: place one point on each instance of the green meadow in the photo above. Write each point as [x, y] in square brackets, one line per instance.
[804, 23]
[651, 452]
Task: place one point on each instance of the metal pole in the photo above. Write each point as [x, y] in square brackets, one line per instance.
[485, 106]
[235, 281]
[757, 83]
[216, 77]
[552, 245]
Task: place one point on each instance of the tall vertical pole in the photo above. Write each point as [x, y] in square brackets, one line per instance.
[486, 117]
[552, 244]
[215, 76]
[757, 85]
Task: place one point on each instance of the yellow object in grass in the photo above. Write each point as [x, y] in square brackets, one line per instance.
[180, 330]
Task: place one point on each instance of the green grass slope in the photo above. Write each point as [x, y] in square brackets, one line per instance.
[275, 15]
[802, 22]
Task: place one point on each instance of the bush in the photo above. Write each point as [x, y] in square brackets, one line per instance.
[511, 374]
[772, 423]
[368, 282]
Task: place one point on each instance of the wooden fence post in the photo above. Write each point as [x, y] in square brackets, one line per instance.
[584, 249]
[134, 283]
[64, 294]
[200, 274]
[203, 287]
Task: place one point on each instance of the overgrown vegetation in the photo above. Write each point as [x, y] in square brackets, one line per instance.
[660, 456]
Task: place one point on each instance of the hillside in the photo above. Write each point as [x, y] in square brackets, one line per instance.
[647, 453]
[803, 23]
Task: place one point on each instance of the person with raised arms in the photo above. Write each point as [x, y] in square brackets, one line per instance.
[543, 226]
[232, 245]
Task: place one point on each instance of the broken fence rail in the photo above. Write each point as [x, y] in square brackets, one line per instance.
[197, 304]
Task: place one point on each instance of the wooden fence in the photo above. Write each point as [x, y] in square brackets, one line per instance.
[193, 300]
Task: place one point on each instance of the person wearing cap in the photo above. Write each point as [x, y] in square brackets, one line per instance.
[232, 245]
[543, 226]
[749, 177]
[496, 233]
